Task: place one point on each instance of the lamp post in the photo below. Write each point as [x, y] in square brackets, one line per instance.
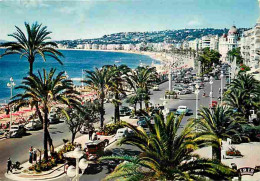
[82, 74]
[170, 79]
[72, 172]
[11, 85]
[197, 99]
[211, 93]
[221, 91]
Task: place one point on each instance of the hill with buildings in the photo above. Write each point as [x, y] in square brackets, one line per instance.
[167, 36]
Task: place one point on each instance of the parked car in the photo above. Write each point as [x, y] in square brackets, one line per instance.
[84, 130]
[125, 111]
[17, 131]
[183, 110]
[34, 125]
[53, 118]
[187, 91]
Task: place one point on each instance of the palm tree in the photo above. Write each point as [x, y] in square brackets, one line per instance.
[235, 52]
[99, 81]
[243, 93]
[141, 79]
[219, 124]
[41, 91]
[166, 154]
[32, 45]
[117, 86]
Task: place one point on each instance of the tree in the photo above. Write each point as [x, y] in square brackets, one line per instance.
[74, 119]
[32, 45]
[99, 81]
[42, 91]
[117, 86]
[166, 154]
[207, 58]
[141, 80]
[243, 93]
[219, 124]
[235, 53]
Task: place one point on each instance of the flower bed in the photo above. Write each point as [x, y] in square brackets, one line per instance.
[233, 152]
[55, 159]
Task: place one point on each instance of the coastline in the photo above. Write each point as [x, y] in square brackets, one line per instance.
[161, 57]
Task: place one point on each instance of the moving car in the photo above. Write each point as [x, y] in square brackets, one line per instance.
[17, 131]
[34, 125]
[121, 133]
[156, 87]
[183, 110]
[125, 111]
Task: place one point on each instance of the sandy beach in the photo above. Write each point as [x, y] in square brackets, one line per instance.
[162, 57]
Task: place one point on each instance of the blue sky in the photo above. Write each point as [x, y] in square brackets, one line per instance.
[76, 19]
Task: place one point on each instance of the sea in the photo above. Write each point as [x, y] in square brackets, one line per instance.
[74, 62]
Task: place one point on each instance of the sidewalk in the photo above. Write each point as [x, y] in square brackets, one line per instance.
[251, 157]
[56, 172]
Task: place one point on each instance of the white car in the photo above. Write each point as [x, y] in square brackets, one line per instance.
[206, 79]
[156, 87]
[34, 125]
[121, 133]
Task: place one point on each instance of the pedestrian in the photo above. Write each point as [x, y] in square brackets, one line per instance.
[34, 155]
[31, 154]
[219, 90]
[9, 165]
[90, 133]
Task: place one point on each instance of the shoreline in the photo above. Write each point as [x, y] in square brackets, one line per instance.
[161, 57]
[152, 55]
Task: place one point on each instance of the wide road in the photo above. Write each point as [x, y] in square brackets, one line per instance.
[17, 148]
[156, 98]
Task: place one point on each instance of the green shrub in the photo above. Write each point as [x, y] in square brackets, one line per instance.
[111, 129]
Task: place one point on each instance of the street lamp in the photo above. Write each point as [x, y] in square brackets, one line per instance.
[197, 99]
[73, 172]
[221, 93]
[11, 85]
[211, 93]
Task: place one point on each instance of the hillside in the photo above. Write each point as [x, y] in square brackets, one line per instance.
[169, 36]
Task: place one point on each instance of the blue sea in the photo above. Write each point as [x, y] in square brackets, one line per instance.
[74, 62]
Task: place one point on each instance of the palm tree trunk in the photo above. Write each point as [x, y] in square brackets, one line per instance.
[73, 135]
[102, 112]
[141, 105]
[45, 134]
[49, 140]
[31, 60]
[216, 153]
[117, 115]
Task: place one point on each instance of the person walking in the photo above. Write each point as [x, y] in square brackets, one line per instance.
[31, 154]
[35, 155]
[9, 165]
[90, 133]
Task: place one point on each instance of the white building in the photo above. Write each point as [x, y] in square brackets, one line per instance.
[228, 42]
[249, 45]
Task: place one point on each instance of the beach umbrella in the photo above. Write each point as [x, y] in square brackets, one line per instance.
[15, 114]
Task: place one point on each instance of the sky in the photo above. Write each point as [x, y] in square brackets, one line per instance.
[80, 19]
